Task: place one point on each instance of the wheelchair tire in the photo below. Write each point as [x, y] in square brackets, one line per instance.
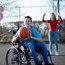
[13, 57]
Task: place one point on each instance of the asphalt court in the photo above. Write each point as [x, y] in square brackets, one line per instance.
[57, 60]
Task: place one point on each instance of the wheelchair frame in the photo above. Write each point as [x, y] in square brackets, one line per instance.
[19, 57]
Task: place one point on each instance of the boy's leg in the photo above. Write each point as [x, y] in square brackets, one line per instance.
[32, 50]
[42, 45]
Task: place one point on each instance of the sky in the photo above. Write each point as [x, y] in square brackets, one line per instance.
[33, 8]
[35, 12]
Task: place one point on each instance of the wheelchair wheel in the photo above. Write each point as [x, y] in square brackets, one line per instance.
[13, 57]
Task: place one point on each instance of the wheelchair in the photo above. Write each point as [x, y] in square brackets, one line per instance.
[16, 56]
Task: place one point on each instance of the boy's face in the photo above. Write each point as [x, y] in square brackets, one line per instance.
[27, 22]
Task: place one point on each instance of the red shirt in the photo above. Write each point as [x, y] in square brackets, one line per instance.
[52, 23]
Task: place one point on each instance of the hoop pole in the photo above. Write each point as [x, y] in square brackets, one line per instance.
[58, 19]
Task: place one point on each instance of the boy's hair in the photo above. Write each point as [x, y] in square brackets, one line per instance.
[28, 17]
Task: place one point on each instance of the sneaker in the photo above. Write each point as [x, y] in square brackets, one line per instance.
[47, 63]
[56, 53]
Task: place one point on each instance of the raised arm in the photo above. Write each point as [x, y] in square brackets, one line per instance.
[43, 18]
[60, 19]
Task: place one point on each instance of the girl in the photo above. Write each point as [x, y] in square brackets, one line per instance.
[53, 33]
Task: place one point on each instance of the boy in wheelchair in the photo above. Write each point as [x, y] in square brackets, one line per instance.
[34, 41]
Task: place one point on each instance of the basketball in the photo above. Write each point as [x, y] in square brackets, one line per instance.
[23, 32]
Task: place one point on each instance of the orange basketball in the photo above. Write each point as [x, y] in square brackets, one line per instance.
[23, 32]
